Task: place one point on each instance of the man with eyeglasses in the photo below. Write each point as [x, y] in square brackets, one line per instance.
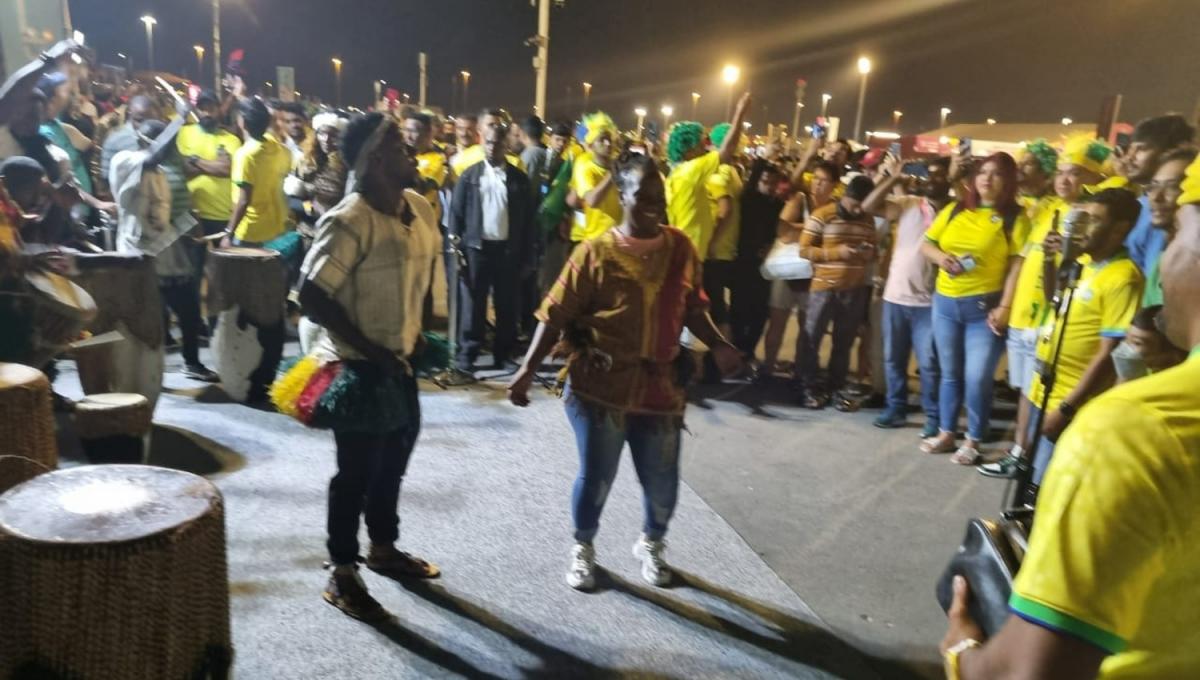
[1161, 194]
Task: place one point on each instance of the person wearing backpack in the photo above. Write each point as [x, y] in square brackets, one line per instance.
[973, 244]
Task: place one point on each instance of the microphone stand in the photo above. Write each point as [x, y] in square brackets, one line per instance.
[453, 376]
[1024, 490]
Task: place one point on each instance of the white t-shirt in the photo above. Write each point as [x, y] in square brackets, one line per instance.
[493, 191]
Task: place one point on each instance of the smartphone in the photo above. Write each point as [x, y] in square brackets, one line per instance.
[894, 150]
[964, 147]
[968, 262]
[818, 130]
[916, 169]
[1124, 139]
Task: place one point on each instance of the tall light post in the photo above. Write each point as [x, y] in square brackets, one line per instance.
[991, 121]
[128, 64]
[199, 61]
[667, 111]
[796, 120]
[466, 81]
[640, 112]
[945, 114]
[825, 104]
[730, 75]
[587, 96]
[695, 104]
[337, 77]
[864, 68]
[896, 115]
[149, 21]
[1067, 121]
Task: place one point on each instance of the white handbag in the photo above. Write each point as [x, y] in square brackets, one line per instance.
[784, 262]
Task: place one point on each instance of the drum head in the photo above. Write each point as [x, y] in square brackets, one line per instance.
[62, 294]
[19, 375]
[95, 504]
[112, 401]
[244, 252]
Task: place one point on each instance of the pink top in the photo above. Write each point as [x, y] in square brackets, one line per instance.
[910, 276]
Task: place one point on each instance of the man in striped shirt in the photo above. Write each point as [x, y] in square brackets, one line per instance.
[840, 241]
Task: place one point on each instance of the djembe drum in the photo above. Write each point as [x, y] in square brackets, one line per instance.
[60, 310]
[26, 424]
[247, 291]
[113, 428]
[125, 287]
[114, 571]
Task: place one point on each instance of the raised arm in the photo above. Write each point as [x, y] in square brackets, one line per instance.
[729, 146]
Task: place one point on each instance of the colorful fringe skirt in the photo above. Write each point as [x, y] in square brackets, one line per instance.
[349, 396]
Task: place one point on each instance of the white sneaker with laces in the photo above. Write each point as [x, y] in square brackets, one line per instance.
[582, 573]
[654, 568]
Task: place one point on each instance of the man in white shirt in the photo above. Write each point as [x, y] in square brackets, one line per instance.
[492, 213]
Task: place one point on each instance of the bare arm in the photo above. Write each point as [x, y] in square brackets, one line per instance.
[596, 195]
[14, 94]
[877, 203]
[999, 315]
[729, 146]
[810, 152]
[239, 209]
[1025, 650]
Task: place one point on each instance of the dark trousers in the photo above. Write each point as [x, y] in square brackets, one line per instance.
[844, 309]
[491, 270]
[183, 298]
[718, 277]
[271, 339]
[530, 300]
[748, 308]
[367, 483]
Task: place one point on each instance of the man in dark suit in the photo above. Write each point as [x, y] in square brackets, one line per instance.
[492, 212]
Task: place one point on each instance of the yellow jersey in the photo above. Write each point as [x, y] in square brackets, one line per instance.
[1115, 549]
[597, 219]
[261, 165]
[688, 206]
[979, 233]
[475, 154]
[211, 196]
[726, 182]
[1030, 307]
[1106, 298]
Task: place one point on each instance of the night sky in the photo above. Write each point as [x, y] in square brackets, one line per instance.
[1013, 60]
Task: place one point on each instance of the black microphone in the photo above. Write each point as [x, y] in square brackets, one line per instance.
[1070, 249]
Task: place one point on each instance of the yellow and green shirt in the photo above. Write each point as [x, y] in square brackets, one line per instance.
[211, 196]
[1114, 554]
[432, 165]
[261, 165]
[1030, 308]
[476, 154]
[979, 233]
[688, 206]
[726, 182]
[1106, 298]
[597, 219]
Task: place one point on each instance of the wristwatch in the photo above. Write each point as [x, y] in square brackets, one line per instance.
[1067, 409]
[950, 658]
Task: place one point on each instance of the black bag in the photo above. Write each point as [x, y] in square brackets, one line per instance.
[989, 557]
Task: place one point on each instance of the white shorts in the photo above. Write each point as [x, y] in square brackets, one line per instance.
[789, 295]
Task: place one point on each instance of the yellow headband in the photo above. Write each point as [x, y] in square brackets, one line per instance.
[1190, 187]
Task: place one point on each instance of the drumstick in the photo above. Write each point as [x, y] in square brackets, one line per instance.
[175, 95]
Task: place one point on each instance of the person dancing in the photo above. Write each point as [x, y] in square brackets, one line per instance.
[620, 305]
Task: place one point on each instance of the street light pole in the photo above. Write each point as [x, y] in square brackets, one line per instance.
[640, 112]
[796, 120]
[216, 7]
[337, 76]
[730, 75]
[466, 78]
[695, 104]
[945, 114]
[864, 67]
[149, 21]
[587, 97]
[199, 61]
[896, 119]
[825, 104]
[667, 111]
[542, 63]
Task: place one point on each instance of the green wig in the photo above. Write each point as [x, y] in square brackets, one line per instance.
[685, 136]
[718, 134]
[1045, 154]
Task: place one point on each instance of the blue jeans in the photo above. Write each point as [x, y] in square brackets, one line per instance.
[968, 352]
[601, 434]
[908, 329]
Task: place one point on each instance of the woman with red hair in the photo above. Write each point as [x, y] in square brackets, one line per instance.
[972, 242]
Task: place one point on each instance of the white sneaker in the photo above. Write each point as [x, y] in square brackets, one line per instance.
[654, 569]
[582, 573]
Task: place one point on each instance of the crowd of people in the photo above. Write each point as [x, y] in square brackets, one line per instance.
[555, 238]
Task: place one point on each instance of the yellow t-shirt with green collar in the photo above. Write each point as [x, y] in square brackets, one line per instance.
[586, 174]
[1114, 555]
[475, 153]
[211, 196]
[261, 165]
[1106, 297]
[726, 182]
[1030, 308]
[979, 233]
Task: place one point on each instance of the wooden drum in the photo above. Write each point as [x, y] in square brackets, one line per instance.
[125, 287]
[61, 311]
[248, 292]
[114, 571]
[26, 424]
[113, 427]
